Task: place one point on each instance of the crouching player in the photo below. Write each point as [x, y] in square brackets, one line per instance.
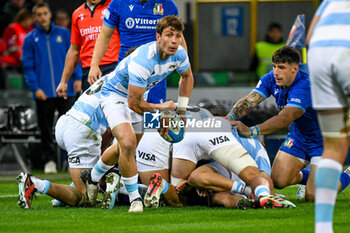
[79, 133]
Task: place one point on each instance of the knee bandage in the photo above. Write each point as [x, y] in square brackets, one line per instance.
[334, 125]
[175, 181]
[234, 158]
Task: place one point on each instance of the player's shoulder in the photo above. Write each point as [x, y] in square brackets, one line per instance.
[180, 53]
[302, 80]
[78, 11]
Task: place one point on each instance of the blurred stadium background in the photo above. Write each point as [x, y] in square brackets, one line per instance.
[221, 37]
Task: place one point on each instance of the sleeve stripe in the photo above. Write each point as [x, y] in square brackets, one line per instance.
[260, 93]
[108, 24]
[296, 106]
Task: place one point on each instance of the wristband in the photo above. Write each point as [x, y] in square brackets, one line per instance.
[232, 116]
[182, 103]
[254, 130]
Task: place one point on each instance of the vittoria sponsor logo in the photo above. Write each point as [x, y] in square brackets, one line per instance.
[141, 23]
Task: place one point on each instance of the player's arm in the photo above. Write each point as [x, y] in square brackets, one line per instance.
[71, 62]
[280, 121]
[185, 90]
[139, 105]
[245, 105]
[314, 21]
[101, 46]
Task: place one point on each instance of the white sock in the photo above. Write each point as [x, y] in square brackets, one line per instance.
[238, 187]
[261, 190]
[131, 186]
[327, 182]
[99, 170]
[42, 186]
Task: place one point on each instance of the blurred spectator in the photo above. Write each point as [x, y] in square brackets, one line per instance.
[13, 39]
[8, 12]
[31, 3]
[262, 62]
[44, 52]
[62, 18]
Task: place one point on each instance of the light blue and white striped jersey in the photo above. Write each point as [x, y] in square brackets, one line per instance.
[256, 150]
[144, 68]
[87, 108]
[333, 28]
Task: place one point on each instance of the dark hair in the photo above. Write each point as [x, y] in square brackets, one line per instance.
[286, 54]
[132, 49]
[39, 5]
[171, 21]
[22, 15]
[274, 25]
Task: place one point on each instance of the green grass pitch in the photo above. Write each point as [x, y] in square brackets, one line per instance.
[43, 218]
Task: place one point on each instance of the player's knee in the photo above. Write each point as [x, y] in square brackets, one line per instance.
[279, 182]
[198, 179]
[309, 196]
[127, 145]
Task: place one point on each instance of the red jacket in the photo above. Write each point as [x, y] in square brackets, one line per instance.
[12, 42]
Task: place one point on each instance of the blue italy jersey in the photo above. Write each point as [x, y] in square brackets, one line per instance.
[297, 95]
[136, 21]
[87, 108]
[144, 68]
[333, 28]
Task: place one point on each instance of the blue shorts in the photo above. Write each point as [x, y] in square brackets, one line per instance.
[300, 148]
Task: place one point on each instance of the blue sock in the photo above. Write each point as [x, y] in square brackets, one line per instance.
[166, 187]
[344, 180]
[306, 172]
[46, 187]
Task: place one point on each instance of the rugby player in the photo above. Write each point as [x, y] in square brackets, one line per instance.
[123, 99]
[303, 145]
[329, 64]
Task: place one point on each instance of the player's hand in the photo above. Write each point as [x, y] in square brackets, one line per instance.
[164, 125]
[40, 95]
[202, 192]
[62, 90]
[169, 105]
[242, 128]
[182, 114]
[77, 86]
[94, 74]
[183, 185]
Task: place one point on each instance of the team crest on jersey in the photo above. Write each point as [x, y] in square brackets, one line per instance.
[158, 9]
[59, 39]
[289, 143]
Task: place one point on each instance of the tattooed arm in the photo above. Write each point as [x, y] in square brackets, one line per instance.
[246, 104]
[139, 105]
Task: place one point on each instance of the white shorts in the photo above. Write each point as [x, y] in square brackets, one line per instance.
[224, 171]
[152, 153]
[330, 77]
[199, 145]
[82, 143]
[116, 110]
